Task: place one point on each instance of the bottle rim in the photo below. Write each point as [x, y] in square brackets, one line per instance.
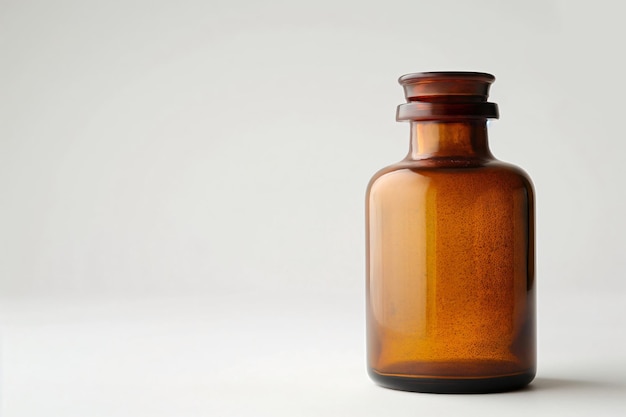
[445, 95]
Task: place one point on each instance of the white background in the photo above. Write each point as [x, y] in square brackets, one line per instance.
[182, 188]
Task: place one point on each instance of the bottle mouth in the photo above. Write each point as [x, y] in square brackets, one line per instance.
[446, 95]
[437, 75]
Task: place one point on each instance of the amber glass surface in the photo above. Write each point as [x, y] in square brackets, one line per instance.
[450, 269]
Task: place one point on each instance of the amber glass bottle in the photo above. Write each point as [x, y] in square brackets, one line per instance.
[450, 250]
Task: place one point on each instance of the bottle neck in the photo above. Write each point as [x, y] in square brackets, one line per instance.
[458, 140]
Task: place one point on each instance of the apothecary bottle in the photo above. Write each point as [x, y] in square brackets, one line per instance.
[450, 250]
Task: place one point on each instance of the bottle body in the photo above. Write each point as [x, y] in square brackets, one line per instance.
[450, 287]
[450, 250]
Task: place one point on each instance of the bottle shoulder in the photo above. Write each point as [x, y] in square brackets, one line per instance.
[514, 173]
[458, 171]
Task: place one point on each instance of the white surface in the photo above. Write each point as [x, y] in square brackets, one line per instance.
[238, 355]
[182, 185]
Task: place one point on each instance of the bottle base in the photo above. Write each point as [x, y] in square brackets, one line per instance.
[482, 385]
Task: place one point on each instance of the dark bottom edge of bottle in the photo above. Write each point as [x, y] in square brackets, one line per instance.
[454, 386]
